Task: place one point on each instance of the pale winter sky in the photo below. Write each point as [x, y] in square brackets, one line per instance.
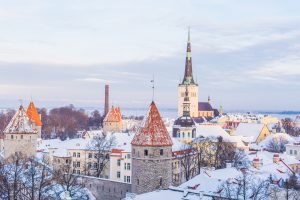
[246, 54]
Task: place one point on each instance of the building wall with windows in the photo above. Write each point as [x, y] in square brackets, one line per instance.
[293, 150]
[120, 166]
[22, 143]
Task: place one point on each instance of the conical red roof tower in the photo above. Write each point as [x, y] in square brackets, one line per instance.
[33, 114]
[153, 132]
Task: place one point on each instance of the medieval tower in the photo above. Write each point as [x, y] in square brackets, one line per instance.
[20, 135]
[151, 155]
[35, 117]
[188, 81]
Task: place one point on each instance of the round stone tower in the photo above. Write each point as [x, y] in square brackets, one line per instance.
[151, 155]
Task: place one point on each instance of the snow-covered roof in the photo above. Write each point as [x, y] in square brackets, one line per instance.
[177, 144]
[277, 137]
[268, 167]
[208, 182]
[249, 130]
[20, 123]
[211, 130]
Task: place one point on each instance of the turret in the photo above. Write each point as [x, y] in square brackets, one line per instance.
[151, 155]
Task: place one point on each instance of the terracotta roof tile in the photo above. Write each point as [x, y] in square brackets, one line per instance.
[153, 131]
[20, 123]
[33, 114]
[114, 115]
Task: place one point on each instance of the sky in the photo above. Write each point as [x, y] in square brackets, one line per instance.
[246, 54]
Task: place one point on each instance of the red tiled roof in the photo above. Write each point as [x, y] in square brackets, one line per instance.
[33, 114]
[153, 132]
[114, 115]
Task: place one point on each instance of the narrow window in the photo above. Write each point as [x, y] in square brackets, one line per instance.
[146, 152]
[161, 152]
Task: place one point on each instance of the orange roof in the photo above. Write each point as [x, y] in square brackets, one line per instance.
[153, 132]
[114, 115]
[33, 114]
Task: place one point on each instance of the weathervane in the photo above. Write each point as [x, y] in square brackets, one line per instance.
[152, 81]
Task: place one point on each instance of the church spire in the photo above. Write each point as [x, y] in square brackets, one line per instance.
[188, 73]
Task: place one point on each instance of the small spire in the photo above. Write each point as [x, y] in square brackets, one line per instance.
[208, 99]
[189, 36]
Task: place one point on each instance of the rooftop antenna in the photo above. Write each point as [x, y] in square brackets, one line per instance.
[153, 88]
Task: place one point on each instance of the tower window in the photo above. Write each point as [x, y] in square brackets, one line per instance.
[12, 137]
[138, 181]
[146, 152]
[189, 134]
[160, 182]
[21, 136]
[161, 152]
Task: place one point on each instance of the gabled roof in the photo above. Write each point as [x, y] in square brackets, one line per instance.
[204, 106]
[20, 123]
[212, 130]
[153, 131]
[33, 114]
[114, 115]
[249, 130]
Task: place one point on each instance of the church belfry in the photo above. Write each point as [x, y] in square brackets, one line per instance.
[188, 83]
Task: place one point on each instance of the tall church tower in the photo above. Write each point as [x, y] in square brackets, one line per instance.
[188, 81]
[151, 155]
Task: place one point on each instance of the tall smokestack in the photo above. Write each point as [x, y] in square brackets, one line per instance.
[106, 104]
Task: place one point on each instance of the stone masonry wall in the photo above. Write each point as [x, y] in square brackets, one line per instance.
[151, 172]
[104, 189]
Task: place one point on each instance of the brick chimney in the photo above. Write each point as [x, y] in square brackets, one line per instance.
[106, 103]
[276, 158]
